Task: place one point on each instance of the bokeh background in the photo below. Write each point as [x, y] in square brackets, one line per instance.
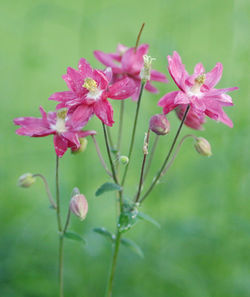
[203, 246]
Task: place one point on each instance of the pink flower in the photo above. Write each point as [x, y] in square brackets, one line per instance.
[89, 90]
[193, 119]
[128, 62]
[198, 91]
[66, 131]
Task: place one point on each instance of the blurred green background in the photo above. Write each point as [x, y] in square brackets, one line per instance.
[203, 246]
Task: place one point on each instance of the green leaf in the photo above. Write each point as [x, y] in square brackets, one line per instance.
[104, 232]
[147, 218]
[74, 236]
[127, 220]
[133, 246]
[107, 187]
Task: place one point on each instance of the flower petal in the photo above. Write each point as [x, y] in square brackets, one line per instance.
[122, 89]
[72, 137]
[86, 133]
[214, 76]
[61, 145]
[107, 60]
[151, 88]
[168, 102]
[85, 68]
[158, 76]
[74, 81]
[104, 111]
[63, 96]
[81, 115]
[214, 111]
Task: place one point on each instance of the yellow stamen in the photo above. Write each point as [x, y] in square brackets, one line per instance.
[200, 79]
[90, 85]
[62, 113]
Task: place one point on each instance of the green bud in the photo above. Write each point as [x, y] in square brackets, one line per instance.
[26, 180]
[124, 160]
[203, 147]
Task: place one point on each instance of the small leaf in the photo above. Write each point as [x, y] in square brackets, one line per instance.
[147, 218]
[104, 232]
[107, 187]
[133, 246]
[74, 236]
[127, 220]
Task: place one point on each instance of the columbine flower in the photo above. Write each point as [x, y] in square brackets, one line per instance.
[66, 131]
[198, 91]
[89, 90]
[128, 62]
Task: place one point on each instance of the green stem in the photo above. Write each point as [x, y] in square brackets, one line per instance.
[143, 166]
[152, 152]
[67, 222]
[159, 174]
[120, 126]
[113, 267]
[59, 222]
[133, 133]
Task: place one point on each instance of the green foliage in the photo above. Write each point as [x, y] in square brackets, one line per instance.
[132, 246]
[104, 232]
[107, 187]
[147, 218]
[74, 236]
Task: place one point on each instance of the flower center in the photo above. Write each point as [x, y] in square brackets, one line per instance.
[91, 86]
[199, 81]
[60, 121]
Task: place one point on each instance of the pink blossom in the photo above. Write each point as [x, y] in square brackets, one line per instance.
[128, 62]
[88, 92]
[65, 129]
[198, 91]
[193, 119]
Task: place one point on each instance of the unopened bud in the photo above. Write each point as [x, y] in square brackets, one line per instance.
[159, 124]
[82, 148]
[146, 70]
[124, 160]
[79, 206]
[203, 147]
[26, 180]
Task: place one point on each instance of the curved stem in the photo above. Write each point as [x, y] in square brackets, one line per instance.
[59, 222]
[157, 177]
[113, 266]
[145, 150]
[152, 152]
[51, 200]
[100, 156]
[133, 133]
[67, 221]
[139, 36]
[176, 152]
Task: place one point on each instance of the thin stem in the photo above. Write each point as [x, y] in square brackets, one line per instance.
[120, 126]
[139, 36]
[59, 222]
[113, 267]
[110, 138]
[133, 132]
[152, 152]
[51, 200]
[157, 177]
[176, 152]
[100, 156]
[109, 155]
[67, 221]
[145, 150]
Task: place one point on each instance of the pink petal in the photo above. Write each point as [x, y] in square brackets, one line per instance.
[214, 110]
[85, 68]
[122, 89]
[168, 102]
[158, 76]
[151, 88]
[74, 80]
[101, 79]
[34, 131]
[81, 115]
[86, 133]
[72, 137]
[135, 95]
[214, 76]
[108, 73]
[61, 145]
[63, 96]
[177, 70]
[107, 60]
[199, 69]
[193, 120]
[104, 111]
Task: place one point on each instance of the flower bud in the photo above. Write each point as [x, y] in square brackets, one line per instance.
[79, 206]
[82, 148]
[159, 124]
[124, 160]
[146, 69]
[26, 180]
[203, 147]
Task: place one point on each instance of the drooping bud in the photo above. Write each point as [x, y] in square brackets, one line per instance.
[26, 180]
[159, 124]
[146, 69]
[79, 206]
[124, 160]
[82, 148]
[203, 147]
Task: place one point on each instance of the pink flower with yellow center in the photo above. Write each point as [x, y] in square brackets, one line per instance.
[88, 92]
[198, 91]
[128, 62]
[66, 131]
